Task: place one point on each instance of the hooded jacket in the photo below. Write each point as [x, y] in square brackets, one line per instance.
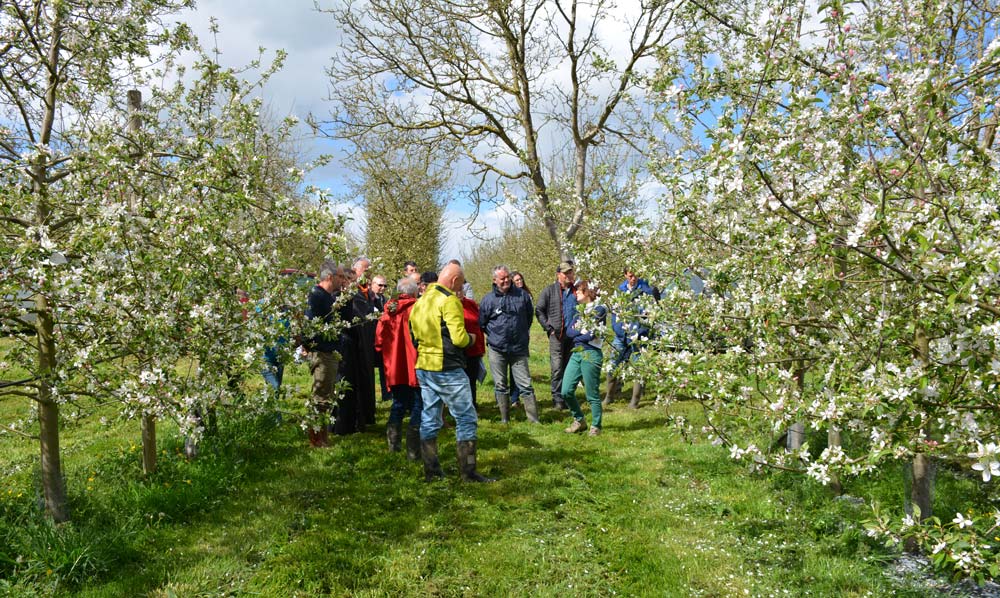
[630, 325]
[392, 340]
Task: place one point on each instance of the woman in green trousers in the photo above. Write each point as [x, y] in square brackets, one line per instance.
[585, 360]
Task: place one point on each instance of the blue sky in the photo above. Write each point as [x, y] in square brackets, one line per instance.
[311, 39]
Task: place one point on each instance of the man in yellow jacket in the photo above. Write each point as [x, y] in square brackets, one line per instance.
[437, 326]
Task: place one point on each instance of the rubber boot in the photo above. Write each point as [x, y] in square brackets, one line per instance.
[613, 387]
[413, 443]
[636, 394]
[432, 466]
[503, 402]
[393, 435]
[467, 462]
[530, 408]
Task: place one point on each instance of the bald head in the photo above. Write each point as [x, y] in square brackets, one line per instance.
[452, 278]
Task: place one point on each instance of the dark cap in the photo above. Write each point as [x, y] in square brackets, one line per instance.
[428, 277]
[565, 267]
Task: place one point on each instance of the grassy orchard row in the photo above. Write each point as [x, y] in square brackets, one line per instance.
[637, 511]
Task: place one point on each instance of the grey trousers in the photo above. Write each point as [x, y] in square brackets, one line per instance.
[518, 364]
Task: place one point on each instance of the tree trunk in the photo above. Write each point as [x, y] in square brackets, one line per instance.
[148, 445]
[832, 440]
[134, 99]
[797, 432]
[921, 472]
[53, 485]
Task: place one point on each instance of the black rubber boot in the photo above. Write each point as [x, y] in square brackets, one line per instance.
[432, 466]
[393, 435]
[413, 443]
[467, 462]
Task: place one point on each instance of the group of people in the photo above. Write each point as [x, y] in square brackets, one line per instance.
[429, 342]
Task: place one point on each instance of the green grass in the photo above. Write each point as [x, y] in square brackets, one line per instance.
[635, 512]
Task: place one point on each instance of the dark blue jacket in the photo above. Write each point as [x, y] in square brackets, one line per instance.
[321, 306]
[582, 339]
[506, 320]
[630, 325]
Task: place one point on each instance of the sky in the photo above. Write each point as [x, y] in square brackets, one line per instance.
[311, 39]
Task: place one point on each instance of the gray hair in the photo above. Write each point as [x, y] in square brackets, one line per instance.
[407, 285]
[499, 268]
[359, 260]
[328, 269]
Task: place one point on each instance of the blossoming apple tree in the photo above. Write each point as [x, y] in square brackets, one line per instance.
[832, 175]
[128, 250]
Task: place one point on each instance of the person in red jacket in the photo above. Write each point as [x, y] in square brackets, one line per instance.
[392, 340]
[474, 352]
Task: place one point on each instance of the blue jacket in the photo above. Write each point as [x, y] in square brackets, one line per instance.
[630, 325]
[586, 340]
[506, 320]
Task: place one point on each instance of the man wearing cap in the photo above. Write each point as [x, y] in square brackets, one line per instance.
[549, 312]
[437, 328]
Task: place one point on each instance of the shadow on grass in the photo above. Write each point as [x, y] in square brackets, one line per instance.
[337, 514]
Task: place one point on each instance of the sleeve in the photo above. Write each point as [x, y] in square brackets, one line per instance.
[383, 328]
[541, 310]
[484, 312]
[454, 319]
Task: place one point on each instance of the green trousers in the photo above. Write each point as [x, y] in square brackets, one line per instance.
[584, 365]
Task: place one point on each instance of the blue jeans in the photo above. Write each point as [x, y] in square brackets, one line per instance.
[406, 399]
[273, 370]
[451, 388]
[622, 350]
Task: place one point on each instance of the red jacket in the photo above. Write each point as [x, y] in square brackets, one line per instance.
[392, 340]
[471, 312]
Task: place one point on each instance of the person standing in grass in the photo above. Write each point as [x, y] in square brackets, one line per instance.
[392, 341]
[550, 314]
[630, 331]
[585, 360]
[323, 349]
[515, 393]
[474, 352]
[437, 327]
[379, 299]
[505, 315]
